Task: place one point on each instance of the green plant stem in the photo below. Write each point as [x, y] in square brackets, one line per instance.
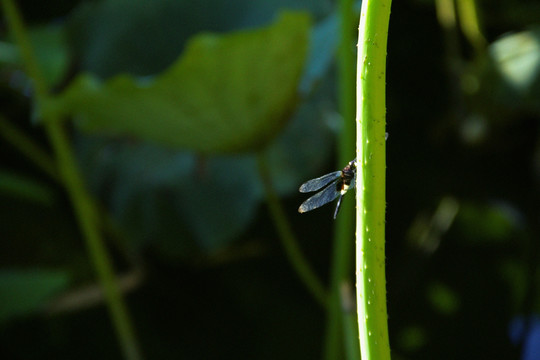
[341, 264]
[287, 238]
[27, 147]
[24, 144]
[470, 24]
[81, 201]
[371, 181]
[88, 223]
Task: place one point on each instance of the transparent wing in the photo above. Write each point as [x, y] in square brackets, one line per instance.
[320, 182]
[319, 199]
[353, 183]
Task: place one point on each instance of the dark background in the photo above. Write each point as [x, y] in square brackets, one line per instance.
[463, 214]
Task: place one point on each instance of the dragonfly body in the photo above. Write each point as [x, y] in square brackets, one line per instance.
[333, 185]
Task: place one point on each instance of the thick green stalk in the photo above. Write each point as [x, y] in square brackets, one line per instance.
[341, 265]
[287, 238]
[72, 180]
[371, 202]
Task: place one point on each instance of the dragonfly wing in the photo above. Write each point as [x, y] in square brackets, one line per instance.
[320, 182]
[319, 199]
[353, 183]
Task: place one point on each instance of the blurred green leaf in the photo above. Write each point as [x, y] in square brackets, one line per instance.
[226, 93]
[23, 292]
[50, 47]
[514, 273]
[25, 188]
[51, 50]
[146, 36]
[302, 150]
[145, 185]
[323, 46]
[155, 192]
[412, 338]
[517, 57]
[173, 202]
[487, 222]
[9, 54]
[516, 61]
[443, 299]
[218, 203]
[163, 201]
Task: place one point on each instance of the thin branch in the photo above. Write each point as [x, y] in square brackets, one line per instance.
[287, 238]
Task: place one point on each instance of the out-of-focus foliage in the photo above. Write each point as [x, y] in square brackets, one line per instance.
[161, 97]
[21, 187]
[516, 58]
[24, 292]
[50, 45]
[159, 207]
[226, 93]
[145, 37]
[444, 300]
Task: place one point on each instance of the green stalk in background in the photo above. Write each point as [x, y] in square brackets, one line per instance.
[339, 317]
[287, 238]
[470, 24]
[27, 147]
[370, 181]
[82, 203]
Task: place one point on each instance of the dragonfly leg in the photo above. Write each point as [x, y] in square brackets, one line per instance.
[337, 206]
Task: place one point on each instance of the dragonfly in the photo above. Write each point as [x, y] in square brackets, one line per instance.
[333, 185]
